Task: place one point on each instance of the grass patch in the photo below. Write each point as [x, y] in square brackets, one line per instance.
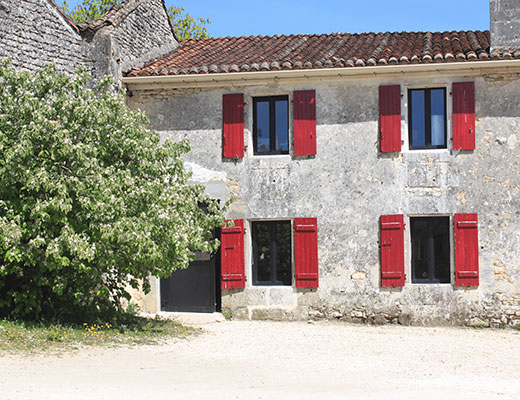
[35, 337]
[479, 326]
[517, 327]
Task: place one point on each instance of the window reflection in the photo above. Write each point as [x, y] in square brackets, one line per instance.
[271, 125]
[427, 118]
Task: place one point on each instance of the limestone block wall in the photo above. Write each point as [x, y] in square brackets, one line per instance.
[34, 33]
[143, 35]
[349, 184]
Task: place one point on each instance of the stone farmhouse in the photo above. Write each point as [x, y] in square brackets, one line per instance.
[373, 174]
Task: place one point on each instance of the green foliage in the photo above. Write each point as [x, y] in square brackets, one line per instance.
[124, 329]
[184, 25]
[89, 9]
[91, 203]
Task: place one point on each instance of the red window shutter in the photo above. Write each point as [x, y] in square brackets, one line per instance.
[306, 252]
[392, 251]
[466, 250]
[233, 125]
[390, 118]
[463, 115]
[232, 256]
[304, 122]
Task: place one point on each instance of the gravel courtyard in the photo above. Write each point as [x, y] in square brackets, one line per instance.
[282, 360]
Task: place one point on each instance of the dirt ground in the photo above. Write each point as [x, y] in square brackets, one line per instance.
[282, 360]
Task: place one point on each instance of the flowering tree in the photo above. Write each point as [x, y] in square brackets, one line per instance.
[90, 201]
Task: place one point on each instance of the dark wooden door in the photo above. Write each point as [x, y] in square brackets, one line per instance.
[193, 289]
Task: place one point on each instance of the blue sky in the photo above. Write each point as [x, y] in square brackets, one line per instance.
[270, 17]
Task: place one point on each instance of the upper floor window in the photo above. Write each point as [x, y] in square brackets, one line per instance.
[427, 118]
[271, 125]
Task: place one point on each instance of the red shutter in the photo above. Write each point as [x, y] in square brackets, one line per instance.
[463, 116]
[232, 256]
[306, 252]
[390, 118]
[233, 125]
[304, 122]
[466, 250]
[392, 251]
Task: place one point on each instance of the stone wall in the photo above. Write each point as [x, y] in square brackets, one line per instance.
[349, 184]
[505, 23]
[143, 35]
[34, 33]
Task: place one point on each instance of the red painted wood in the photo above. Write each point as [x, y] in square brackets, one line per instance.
[463, 115]
[392, 251]
[306, 252]
[390, 119]
[466, 250]
[233, 125]
[304, 102]
[232, 256]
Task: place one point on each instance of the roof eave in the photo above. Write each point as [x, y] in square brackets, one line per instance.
[252, 78]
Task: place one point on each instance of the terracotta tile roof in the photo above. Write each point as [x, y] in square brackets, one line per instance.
[336, 50]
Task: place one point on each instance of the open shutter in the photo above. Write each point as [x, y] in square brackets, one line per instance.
[392, 251]
[232, 256]
[233, 125]
[466, 250]
[390, 118]
[463, 115]
[306, 252]
[304, 102]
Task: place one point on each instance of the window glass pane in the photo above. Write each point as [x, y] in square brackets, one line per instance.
[430, 249]
[263, 250]
[437, 117]
[419, 249]
[283, 252]
[282, 126]
[441, 245]
[418, 118]
[262, 126]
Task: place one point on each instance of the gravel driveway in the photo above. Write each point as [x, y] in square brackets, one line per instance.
[282, 360]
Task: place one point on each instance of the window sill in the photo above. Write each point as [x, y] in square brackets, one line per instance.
[289, 288]
[260, 156]
[428, 284]
[446, 150]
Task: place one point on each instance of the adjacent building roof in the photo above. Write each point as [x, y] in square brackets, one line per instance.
[115, 15]
[336, 50]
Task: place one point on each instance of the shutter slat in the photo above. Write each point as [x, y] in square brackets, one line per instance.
[466, 250]
[233, 125]
[232, 256]
[306, 252]
[463, 115]
[392, 251]
[390, 119]
[304, 103]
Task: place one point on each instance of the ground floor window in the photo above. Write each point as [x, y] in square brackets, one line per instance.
[430, 238]
[272, 255]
